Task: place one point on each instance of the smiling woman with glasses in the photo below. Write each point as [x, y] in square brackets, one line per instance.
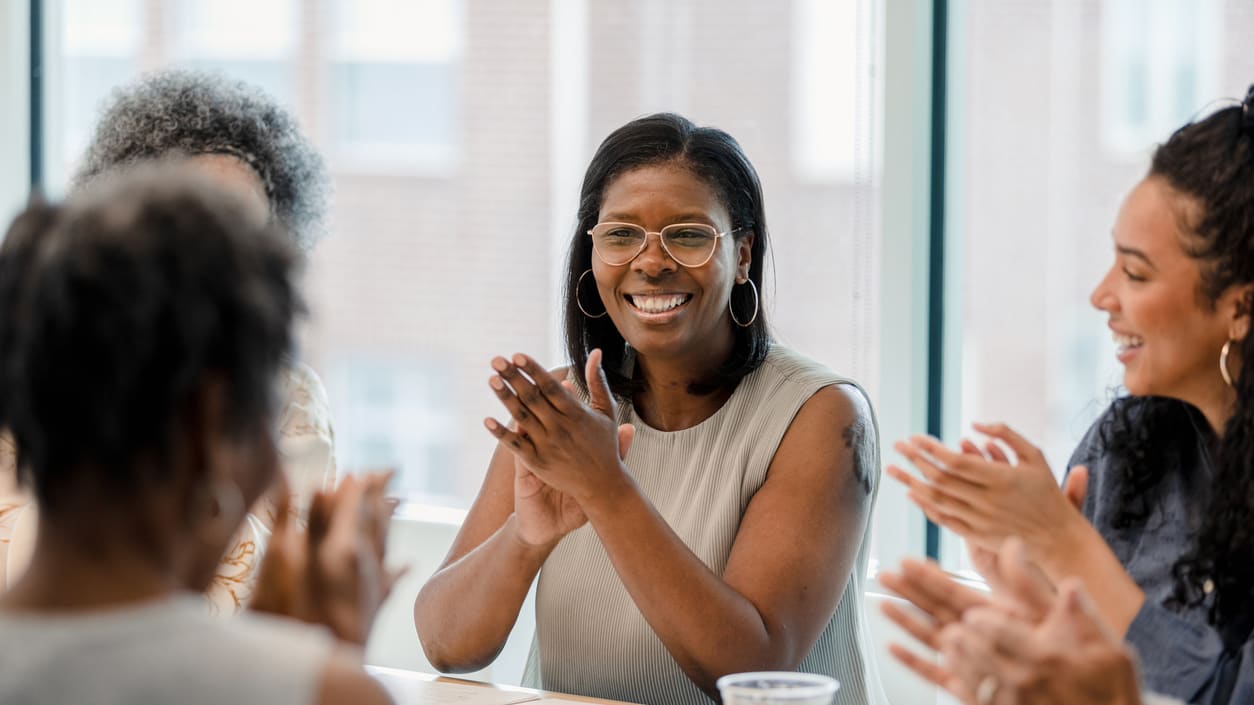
[694, 497]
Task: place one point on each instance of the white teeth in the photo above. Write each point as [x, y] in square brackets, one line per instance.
[658, 304]
[1128, 341]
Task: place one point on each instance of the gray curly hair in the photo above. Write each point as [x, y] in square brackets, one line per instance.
[191, 113]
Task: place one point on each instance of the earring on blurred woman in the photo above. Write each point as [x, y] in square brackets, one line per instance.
[221, 501]
[1223, 362]
[579, 300]
[732, 309]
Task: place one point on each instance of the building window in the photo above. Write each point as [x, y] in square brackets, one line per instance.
[395, 414]
[210, 36]
[98, 42]
[393, 83]
[825, 92]
[1159, 65]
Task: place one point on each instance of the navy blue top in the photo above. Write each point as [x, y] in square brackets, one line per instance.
[1181, 654]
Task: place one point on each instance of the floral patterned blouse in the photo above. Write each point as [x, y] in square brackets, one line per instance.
[307, 449]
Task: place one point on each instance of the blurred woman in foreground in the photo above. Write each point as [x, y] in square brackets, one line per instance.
[244, 141]
[143, 327]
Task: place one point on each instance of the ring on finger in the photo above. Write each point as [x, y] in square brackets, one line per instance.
[986, 690]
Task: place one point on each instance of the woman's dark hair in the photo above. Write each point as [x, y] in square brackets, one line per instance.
[191, 112]
[119, 308]
[1223, 552]
[717, 159]
[17, 255]
[1210, 164]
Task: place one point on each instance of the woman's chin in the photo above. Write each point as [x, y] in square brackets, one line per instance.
[1135, 387]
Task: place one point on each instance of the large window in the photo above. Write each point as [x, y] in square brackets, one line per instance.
[457, 133]
[392, 93]
[210, 36]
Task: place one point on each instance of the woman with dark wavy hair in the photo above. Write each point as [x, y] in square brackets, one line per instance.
[1164, 477]
[694, 497]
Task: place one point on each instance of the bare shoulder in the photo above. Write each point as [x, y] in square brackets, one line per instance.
[344, 682]
[842, 407]
[842, 401]
[836, 423]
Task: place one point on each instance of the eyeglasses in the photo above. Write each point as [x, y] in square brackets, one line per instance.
[689, 244]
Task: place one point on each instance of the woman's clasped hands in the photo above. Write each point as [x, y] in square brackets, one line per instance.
[1026, 643]
[567, 452]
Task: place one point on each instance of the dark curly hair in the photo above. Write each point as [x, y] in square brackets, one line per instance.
[192, 112]
[1223, 552]
[714, 157]
[118, 308]
[1142, 436]
[1211, 163]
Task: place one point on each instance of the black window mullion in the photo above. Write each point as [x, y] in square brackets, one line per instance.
[36, 96]
[936, 243]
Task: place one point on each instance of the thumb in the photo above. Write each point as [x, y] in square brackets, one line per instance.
[1076, 486]
[1029, 587]
[599, 396]
[626, 434]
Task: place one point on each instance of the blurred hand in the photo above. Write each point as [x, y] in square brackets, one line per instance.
[986, 497]
[334, 573]
[1019, 590]
[939, 601]
[1069, 658]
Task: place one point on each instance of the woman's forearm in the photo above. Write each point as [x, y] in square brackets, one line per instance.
[1078, 550]
[466, 610]
[694, 612]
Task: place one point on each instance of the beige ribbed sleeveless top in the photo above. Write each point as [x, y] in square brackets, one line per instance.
[590, 637]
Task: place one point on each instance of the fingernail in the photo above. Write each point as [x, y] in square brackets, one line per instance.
[520, 359]
[496, 383]
[499, 364]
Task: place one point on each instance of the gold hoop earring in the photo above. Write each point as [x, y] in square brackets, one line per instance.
[1223, 362]
[732, 310]
[578, 286]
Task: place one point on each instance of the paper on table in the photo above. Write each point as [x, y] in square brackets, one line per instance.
[405, 689]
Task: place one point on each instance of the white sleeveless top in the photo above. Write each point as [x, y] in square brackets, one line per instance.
[166, 651]
[590, 637]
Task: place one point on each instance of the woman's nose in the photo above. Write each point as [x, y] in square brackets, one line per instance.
[1103, 297]
[653, 259]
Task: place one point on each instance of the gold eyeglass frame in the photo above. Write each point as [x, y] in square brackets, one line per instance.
[661, 238]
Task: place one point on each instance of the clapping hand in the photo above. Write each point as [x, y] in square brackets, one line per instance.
[987, 496]
[334, 573]
[563, 448]
[1021, 593]
[1068, 657]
